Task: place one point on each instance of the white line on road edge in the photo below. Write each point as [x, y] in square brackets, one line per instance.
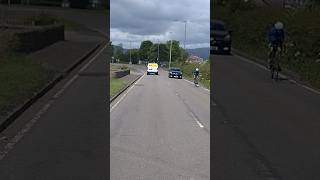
[193, 83]
[281, 75]
[9, 146]
[76, 76]
[21, 133]
[125, 94]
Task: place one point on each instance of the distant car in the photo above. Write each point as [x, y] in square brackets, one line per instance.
[152, 68]
[175, 73]
[220, 37]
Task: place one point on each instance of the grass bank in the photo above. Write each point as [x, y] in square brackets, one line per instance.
[20, 78]
[250, 27]
[115, 86]
[187, 69]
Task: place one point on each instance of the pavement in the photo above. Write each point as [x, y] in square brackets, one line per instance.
[63, 54]
[63, 135]
[96, 20]
[262, 129]
[160, 129]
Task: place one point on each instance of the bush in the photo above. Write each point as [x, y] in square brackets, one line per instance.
[188, 68]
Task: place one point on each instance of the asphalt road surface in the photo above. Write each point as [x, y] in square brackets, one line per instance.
[160, 129]
[64, 134]
[262, 129]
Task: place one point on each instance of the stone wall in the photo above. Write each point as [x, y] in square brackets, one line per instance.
[29, 39]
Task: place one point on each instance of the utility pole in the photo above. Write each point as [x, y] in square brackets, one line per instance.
[170, 54]
[158, 51]
[130, 53]
[185, 35]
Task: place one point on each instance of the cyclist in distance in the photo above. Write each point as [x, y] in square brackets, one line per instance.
[196, 74]
[276, 38]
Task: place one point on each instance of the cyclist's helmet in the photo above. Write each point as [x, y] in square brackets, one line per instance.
[278, 25]
[197, 69]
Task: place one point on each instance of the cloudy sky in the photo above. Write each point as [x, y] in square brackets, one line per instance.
[160, 20]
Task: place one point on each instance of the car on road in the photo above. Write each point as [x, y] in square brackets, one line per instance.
[152, 68]
[175, 73]
[220, 37]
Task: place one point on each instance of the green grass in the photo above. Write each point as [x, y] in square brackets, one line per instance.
[115, 86]
[187, 69]
[20, 78]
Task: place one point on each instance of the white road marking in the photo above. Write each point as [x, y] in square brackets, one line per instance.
[197, 121]
[9, 146]
[76, 76]
[66, 86]
[125, 94]
[12, 142]
[199, 86]
[281, 75]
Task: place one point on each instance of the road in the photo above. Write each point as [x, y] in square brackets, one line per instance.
[262, 129]
[64, 134]
[160, 129]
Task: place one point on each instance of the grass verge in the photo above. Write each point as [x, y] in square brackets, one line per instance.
[20, 78]
[115, 86]
[187, 69]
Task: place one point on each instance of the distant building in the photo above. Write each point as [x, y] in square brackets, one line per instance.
[195, 59]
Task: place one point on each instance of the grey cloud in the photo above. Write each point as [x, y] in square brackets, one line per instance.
[143, 18]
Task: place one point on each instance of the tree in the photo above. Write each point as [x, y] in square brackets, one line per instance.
[163, 53]
[134, 56]
[145, 50]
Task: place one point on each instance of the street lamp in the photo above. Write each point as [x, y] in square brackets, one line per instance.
[170, 51]
[185, 32]
[130, 53]
[158, 50]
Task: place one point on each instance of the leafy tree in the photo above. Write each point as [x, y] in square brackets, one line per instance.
[163, 53]
[134, 56]
[145, 50]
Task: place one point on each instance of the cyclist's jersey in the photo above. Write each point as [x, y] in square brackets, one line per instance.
[276, 37]
[196, 73]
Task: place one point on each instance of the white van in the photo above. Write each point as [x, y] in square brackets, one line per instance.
[152, 68]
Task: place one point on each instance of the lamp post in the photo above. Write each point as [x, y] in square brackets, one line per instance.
[130, 53]
[185, 35]
[185, 32]
[170, 52]
[158, 51]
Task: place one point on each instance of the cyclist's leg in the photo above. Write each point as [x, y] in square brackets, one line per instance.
[272, 55]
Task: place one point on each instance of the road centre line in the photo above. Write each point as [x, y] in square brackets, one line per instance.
[12, 142]
[125, 94]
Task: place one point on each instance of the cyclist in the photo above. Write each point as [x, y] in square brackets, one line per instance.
[276, 38]
[196, 74]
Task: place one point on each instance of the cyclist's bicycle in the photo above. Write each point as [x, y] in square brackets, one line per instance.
[196, 80]
[275, 62]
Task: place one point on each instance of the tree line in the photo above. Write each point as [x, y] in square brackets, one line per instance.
[148, 51]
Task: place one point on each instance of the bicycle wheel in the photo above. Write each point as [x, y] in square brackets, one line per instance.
[272, 72]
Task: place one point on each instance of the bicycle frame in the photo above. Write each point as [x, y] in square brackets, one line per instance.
[275, 62]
